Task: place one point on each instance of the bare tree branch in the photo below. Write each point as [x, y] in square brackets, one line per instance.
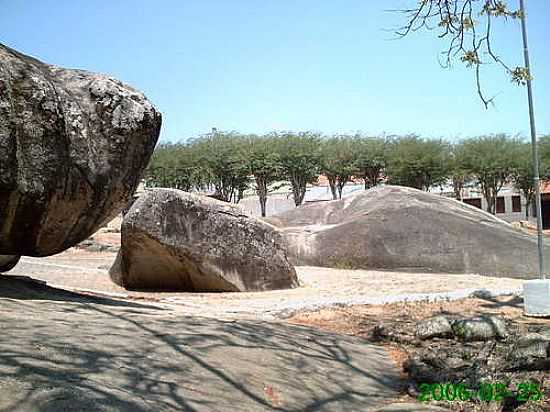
[457, 20]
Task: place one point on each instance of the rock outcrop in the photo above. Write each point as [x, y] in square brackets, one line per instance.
[73, 146]
[173, 240]
[393, 227]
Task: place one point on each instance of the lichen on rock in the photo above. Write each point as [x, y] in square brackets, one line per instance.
[73, 146]
[174, 240]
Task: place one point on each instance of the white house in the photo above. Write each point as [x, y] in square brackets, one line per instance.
[511, 204]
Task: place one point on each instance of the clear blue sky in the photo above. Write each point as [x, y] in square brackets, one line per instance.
[260, 65]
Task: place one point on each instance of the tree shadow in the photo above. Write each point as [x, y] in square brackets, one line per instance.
[27, 288]
[512, 301]
[73, 353]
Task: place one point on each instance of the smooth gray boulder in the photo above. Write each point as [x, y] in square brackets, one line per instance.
[394, 227]
[73, 145]
[480, 328]
[435, 327]
[173, 240]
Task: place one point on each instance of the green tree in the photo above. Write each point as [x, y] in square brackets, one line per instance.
[264, 163]
[460, 176]
[161, 159]
[544, 151]
[523, 174]
[175, 166]
[338, 162]
[371, 158]
[300, 160]
[223, 159]
[491, 160]
[417, 162]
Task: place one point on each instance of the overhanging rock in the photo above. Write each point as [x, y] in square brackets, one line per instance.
[73, 145]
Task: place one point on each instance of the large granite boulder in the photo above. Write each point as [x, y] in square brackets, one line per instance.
[173, 240]
[393, 227]
[73, 146]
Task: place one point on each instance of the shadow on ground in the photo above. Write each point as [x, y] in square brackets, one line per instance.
[64, 351]
[510, 302]
[26, 288]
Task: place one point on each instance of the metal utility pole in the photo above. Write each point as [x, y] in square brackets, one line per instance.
[534, 145]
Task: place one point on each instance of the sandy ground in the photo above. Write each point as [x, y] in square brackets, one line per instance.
[320, 287]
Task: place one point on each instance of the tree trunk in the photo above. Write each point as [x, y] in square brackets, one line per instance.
[263, 201]
[341, 184]
[490, 194]
[332, 184]
[418, 183]
[301, 196]
[372, 175]
[491, 202]
[261, 190]
[298, 190]
[529, 197]
[458, 187]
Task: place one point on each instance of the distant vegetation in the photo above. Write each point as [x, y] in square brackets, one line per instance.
[229, 163]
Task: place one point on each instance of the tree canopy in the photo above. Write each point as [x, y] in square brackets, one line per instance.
[417, 162]
[492, 162]
[371, 157]
[338, 162]
[227, 164]
[300, 160]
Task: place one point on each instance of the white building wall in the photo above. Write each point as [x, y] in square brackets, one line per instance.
[281, 202]
[508, 215]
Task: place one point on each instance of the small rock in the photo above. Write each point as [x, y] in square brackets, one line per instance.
[480, 328]
[531, 345]
[86, 243]
[94, 248]
[413, 390]
[531, 352]
[382, 333]
[438, 326]
[420, 371]
[481, 294]
[456, 363]
[545, 331]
